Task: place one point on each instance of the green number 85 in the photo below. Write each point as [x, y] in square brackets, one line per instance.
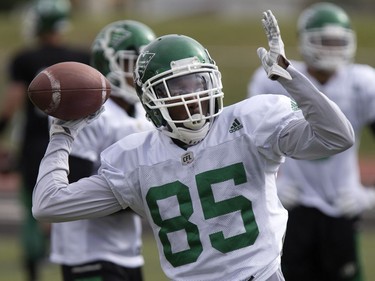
[211, 209]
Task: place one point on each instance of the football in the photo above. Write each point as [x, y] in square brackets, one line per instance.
[69, 90]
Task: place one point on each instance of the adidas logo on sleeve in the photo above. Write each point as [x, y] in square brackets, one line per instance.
[236, 125]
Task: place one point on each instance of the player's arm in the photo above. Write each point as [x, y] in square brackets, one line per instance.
[54, 199]
[325, 130]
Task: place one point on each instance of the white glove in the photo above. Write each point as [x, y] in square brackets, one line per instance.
[288, 195]
[270, 59]
[72, 127]
[352, 202]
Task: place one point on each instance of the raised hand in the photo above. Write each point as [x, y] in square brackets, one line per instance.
[275, 57]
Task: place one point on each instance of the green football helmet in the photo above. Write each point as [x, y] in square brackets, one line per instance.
[164, 66]
[46, 16]
[326, 38]
[115, 51]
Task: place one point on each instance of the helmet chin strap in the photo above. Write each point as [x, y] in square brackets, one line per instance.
[190, 136]
[195, 125]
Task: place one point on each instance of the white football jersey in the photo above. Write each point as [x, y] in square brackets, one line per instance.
[320, 181]
[117, 237]
[213, 208]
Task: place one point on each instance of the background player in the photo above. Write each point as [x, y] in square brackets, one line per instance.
[46, 22]
[205, 180]
[325, 196]
[107, 248]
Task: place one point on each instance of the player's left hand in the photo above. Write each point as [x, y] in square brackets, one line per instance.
[72, 127]
[270, 60]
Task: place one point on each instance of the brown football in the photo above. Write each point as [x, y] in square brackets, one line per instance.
[69, 90]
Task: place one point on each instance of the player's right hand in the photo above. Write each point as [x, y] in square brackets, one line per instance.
[271, 58]
[72, 127]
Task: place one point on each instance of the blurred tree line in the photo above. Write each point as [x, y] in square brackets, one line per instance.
[7, 5]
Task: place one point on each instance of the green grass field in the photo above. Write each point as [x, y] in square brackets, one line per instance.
[233, 44]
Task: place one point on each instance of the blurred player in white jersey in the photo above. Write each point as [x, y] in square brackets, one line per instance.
[325, 196]
[205, 180]
[109, 248]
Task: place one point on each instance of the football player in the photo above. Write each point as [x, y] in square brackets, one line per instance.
[46, 22]
[205, 180]
[107, 248]
[325, 196]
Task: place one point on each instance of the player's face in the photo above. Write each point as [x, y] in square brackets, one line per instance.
[186, 90]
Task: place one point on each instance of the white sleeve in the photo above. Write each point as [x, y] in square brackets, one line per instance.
[327, 130]
[55, 200]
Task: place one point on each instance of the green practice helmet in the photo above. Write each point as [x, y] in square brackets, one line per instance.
[326, 38]
[166, 63]
[114, 53]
